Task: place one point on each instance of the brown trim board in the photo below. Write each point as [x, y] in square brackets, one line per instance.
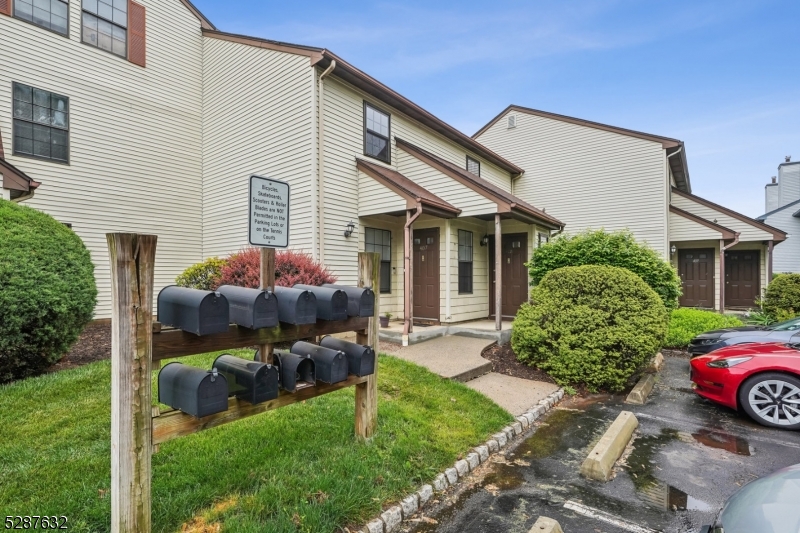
[726, 233]
[777, 235]
[309, 51]
[506, 202]
[204, 22]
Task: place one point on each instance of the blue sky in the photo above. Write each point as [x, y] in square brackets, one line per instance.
[723, 76]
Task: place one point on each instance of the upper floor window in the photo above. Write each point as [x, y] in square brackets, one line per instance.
[105, 25]
[376, 133]
[41, 124]
[50, 14]
[474, 166]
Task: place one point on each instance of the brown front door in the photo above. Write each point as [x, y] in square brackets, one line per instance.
[696, 268]
[514, 274]
[742, 278]
[426, 274]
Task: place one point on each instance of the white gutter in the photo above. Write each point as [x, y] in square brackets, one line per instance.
[321, 165]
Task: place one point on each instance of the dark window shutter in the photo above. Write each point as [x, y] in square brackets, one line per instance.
[5, 7]
[137, 49]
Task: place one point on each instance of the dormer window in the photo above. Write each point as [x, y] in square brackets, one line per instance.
[376, 133]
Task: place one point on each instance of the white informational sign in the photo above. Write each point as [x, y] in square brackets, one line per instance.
[269, 212]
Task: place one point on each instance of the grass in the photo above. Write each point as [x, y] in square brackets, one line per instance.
[298, 468]
[686, 323]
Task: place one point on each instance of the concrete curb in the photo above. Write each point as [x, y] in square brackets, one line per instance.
[601, 459]
[642, 390]
[390, 519]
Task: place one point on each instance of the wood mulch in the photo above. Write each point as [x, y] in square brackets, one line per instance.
[682, 354]
[504, 361]
[94, 344]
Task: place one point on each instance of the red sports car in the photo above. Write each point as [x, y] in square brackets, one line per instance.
[761, 379]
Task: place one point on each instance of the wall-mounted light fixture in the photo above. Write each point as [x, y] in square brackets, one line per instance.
[672, 250]
[351, 227]
[485, 240]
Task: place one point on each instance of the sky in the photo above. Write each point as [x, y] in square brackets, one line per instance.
[723, 76]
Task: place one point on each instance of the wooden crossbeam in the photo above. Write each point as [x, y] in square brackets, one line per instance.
[173, 424]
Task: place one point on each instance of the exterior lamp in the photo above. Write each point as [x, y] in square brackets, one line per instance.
[351, 227]
[485, 240]
[672, 250]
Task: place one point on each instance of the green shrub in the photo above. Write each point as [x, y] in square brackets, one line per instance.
[686, 323]
[782, 297]
[594, 325]
[204, 275]
[47, 290]
[618, 249]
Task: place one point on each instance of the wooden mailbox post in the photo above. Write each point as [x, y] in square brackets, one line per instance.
[137, 426]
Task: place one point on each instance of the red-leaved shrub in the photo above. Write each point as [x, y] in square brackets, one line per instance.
[290, 268]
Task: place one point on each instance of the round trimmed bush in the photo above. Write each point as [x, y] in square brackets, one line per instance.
[618, 249]
[593, 324]
[204, 275]
[47, 290]
[782, 297]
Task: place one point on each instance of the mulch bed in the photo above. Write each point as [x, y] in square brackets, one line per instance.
[94, 344]
[504, 361]
[682, 354]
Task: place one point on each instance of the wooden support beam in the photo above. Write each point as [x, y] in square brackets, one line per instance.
[369, 272]
[173, 343]
[267, 277]
[173, 424]
[132, 260]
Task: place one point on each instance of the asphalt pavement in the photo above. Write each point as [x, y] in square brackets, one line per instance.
[687, 457]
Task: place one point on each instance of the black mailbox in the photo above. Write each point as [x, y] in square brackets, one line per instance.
[193, 310]
[331, 303]
[251, 308]
[295, 370]
[360, 300]
[296, 306]
[330, 365]
[192, 390]
[361, 359]
[251, 381]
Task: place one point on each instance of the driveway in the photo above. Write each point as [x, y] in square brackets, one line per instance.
[688, 457]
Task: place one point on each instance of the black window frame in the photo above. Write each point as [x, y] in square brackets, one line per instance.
[465, 266]
[386, 265]
[473, 160]
[51, 30]
[15, 120]
[387, 138]
[98, 17]
[542, 239]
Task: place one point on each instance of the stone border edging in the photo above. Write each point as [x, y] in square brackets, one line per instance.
[389, 520]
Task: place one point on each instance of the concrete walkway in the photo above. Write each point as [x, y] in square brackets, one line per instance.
[459, 358]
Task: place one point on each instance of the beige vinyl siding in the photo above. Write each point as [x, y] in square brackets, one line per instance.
[747, 232]
[470, 202]
[468, 306]
[392, 302]
[135, 135]
[375, 198]
[786, 255]
[257, 119]
[683, 229]
[587, 178]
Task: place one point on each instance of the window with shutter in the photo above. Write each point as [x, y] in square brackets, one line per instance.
[137, 49]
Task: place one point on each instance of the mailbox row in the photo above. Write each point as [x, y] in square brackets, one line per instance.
[201, 393]
[207, 312]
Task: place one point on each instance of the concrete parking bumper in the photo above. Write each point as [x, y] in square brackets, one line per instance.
[601, 459]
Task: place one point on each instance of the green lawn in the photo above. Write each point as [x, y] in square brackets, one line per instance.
[298, 468]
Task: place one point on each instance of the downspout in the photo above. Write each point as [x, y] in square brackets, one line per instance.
[314, 163]
[722, 281]
[24, 197]
[321, 165]
[408, 288]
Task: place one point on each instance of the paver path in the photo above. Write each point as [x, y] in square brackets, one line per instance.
[459, 358]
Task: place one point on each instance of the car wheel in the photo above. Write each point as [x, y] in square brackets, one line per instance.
[772, 399]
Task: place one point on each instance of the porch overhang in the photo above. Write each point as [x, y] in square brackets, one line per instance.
[507, 205]
[414, 195]
[17, 182]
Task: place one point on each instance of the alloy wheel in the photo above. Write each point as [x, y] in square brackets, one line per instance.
[776, 401]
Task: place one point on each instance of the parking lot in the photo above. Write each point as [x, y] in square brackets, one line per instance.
[687, 458]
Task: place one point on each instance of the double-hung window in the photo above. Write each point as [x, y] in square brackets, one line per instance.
[376, 133]
[474, 166]
[380, 240]
[41, 124]
[105, 25]
[464, 262]
[50, 14]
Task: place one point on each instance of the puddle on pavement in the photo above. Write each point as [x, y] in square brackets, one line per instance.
[723, 441]
[549, 437]
[640, 466]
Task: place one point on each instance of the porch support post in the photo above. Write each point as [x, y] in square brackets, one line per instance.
[721, 276]
[498, 274]
[408, 288]
[770, 245]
